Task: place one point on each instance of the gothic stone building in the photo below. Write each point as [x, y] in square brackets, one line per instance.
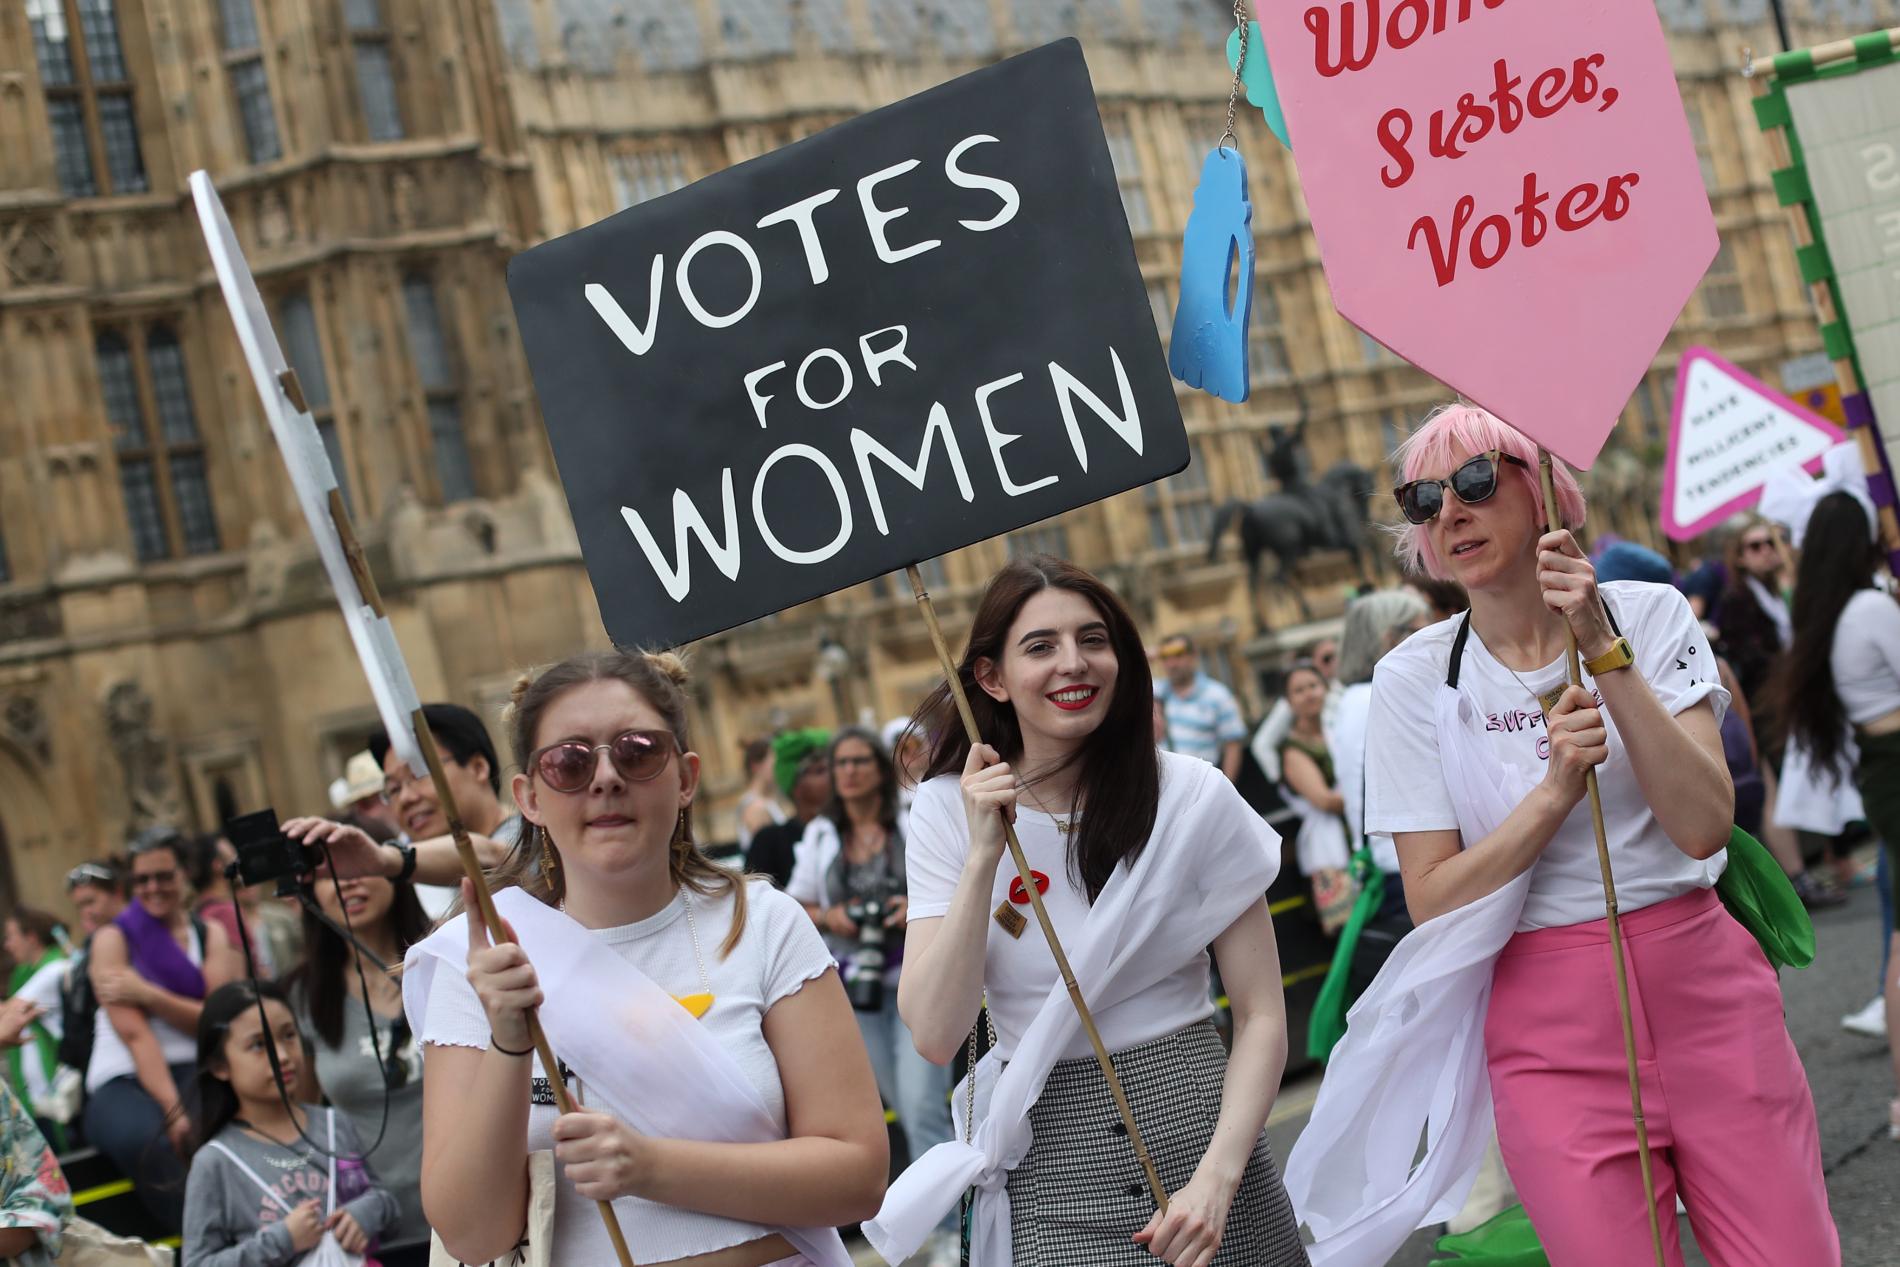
[169, 650]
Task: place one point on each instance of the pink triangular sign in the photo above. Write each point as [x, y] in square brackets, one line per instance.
[1731, 432]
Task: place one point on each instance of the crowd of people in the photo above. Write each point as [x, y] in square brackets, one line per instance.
[278, 1092]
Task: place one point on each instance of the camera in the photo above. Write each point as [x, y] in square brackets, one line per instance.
[864, 975]
[265, 854]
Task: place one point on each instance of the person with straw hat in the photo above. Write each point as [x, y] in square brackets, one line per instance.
[1503, 996]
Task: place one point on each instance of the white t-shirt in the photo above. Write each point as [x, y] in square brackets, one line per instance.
[1346, 738]
[1866, 656]
[111, 1058]
[1406, 790]
[1018, 972]
[778, 954]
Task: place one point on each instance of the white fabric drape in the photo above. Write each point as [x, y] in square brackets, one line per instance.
[1412, 1061]
[1210, 858]
[644, 1058]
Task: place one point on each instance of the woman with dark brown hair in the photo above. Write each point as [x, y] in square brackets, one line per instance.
[1143, 859]
[726, 1106]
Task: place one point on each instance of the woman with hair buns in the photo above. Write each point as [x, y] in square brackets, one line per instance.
[725, 1103]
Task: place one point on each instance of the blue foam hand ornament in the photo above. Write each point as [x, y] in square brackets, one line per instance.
[1257, 77]
[1209, 348]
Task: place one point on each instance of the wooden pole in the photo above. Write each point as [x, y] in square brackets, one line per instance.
[1035, 898]
[1554, 522]
[499, 932]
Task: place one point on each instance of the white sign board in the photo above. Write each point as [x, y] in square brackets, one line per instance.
[1729, 434]
[1849, 127]
[310, 474]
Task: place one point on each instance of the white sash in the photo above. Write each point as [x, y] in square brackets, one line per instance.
[644, 1058]
[1211, 857]
[1412, 1060]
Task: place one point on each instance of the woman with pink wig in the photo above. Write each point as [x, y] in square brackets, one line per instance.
[1503, 998]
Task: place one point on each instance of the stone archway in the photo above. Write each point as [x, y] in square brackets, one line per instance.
[27, 837]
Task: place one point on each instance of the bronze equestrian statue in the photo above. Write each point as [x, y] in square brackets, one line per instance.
[1303, 517]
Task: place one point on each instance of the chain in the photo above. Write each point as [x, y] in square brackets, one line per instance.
[1240, 64]
[692, 930]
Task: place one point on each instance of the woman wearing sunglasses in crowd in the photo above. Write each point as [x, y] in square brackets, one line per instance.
[755, 1042]
[373, 1078]
[1144, 859]
[151, 968]
[1508, 975]
[850, 879]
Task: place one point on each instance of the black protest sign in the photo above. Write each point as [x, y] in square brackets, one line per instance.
[913, 331]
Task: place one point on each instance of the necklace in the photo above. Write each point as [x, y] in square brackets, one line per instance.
[1546, 700]
[701, 1003]
[1066, 824]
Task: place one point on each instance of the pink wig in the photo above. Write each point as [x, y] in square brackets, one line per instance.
[1435, 448]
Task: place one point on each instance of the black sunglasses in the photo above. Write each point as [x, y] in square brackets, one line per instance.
[639, 755]
[1474, 482]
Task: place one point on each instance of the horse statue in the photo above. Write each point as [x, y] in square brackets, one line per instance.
[1305, 516]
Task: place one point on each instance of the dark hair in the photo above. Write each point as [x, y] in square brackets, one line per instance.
[1120, 780]
[1444, 596]
[36, 923]
[1300, 666]
[321, 982]
[887, 788]
[756, 750]
[152, 839]
[1838, 559]
[458, 732]
[660, 679]
[201, 861]
[212, 1104]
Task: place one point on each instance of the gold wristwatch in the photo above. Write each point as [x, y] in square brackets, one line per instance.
[1620, 656]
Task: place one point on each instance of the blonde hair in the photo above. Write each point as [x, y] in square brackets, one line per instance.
[660, 678]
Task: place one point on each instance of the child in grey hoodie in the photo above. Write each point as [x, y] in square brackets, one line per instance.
[261, 1193]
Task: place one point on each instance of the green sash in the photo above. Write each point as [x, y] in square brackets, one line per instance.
[1327, 1025]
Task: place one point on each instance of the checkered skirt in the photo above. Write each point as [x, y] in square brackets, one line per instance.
[1080, 1195]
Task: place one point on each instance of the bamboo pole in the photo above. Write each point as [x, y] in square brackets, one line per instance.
[1035, 897]
[1574, 670]
[500, 932]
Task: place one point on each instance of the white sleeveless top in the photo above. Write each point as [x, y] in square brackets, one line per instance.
[111, 1058]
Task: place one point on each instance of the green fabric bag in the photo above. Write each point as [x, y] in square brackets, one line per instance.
[1327, 1024]
[1758, 894]
[1504, 1240]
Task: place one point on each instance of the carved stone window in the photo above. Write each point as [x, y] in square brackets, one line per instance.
[437, 367]
[161, 470]
[1181, 507]
[375, 70]
[1048, 537]
[88, 96]
[646, 174]
[244, 63]
[304, 346]
[1126, 157]
[1267, 359]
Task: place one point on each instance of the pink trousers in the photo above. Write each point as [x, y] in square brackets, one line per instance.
[1731, 1121]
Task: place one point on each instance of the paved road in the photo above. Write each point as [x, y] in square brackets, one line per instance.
[1850, 1075]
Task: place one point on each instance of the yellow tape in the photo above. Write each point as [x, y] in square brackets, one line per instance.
[117, 1188]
